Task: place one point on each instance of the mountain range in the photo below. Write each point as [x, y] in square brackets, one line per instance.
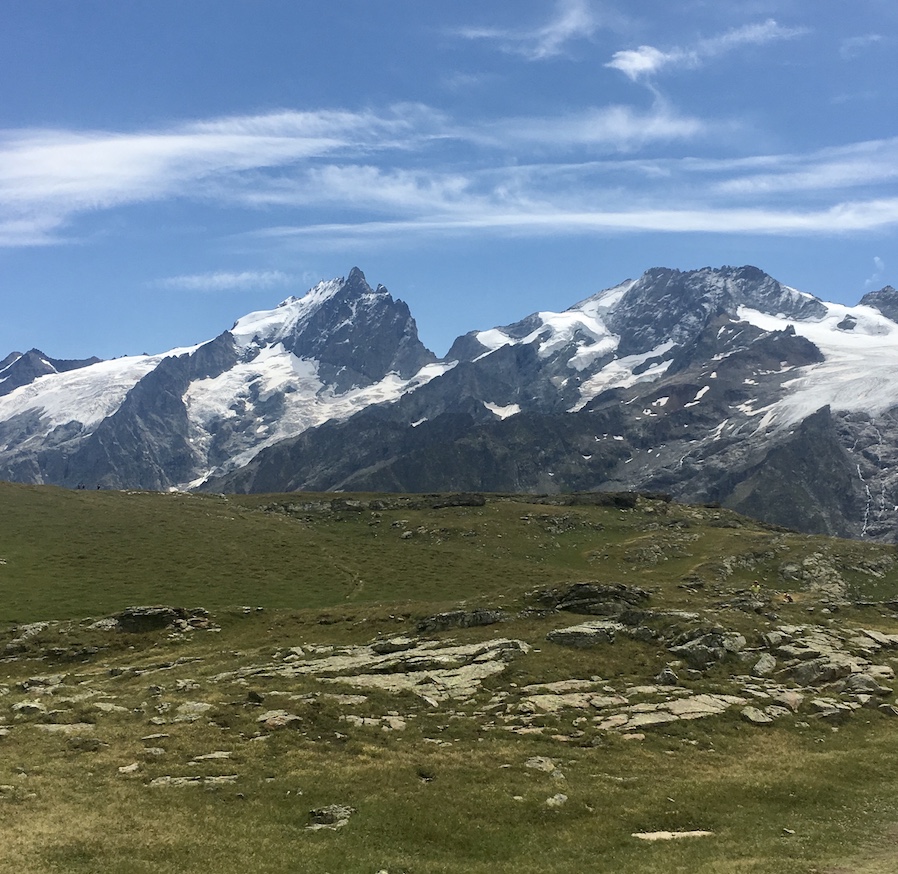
[713, 385]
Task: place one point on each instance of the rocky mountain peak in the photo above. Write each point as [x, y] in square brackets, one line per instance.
[885, 300]
[356, 334]
[673, 305]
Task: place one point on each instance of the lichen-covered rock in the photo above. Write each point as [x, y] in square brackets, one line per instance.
[594, 599]
[333, 816]
[154, 618]
[461, 619]
[587, 634]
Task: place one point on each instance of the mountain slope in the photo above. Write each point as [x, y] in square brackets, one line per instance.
[716, 385]
[162, 421]
[691, 383]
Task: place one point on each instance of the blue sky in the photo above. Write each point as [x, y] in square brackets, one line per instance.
[168, 165]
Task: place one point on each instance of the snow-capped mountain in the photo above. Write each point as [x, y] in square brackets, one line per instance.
[169, 420]
[715, 385]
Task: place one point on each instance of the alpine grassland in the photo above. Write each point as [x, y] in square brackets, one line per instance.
[389, 683]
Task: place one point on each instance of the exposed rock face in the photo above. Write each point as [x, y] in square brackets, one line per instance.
[17, 369]
[460, 619]
[360, 336]
[713, 385]
[673, 305]
[885, 300]
[595, 599]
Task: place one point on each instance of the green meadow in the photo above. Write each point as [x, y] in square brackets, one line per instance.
[98, 722]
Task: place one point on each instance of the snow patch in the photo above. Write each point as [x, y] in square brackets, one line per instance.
[272, 326]
[503, 412]
[619, 374]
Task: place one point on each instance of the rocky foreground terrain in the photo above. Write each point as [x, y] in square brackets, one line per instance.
[439, 683]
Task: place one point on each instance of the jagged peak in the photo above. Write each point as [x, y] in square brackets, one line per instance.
[271, 326]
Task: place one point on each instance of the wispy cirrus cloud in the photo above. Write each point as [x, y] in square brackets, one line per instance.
[847, 217]
[411, 169]
[572, 20]
[855, 46]
[224, 281]
[646, 61]
[48, 176]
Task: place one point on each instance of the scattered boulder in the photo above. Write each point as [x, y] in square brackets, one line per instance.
[461, 619]
[820, 671]
[540, 763]
[667, 677]
[755, 716]
[594, 599]
[333, 816]
[588, 634]
[764, 666]
[191, 711]
[702, 649]
[865, 684]
[142, 619]
[556, 801]
[272, 720]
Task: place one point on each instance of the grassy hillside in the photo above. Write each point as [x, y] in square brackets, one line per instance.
[312, 682]
[76, 553]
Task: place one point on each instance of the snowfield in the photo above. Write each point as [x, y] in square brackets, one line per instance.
[860, 372]
[87, 395]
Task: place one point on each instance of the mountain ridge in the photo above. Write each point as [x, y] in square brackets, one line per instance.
[702, 383]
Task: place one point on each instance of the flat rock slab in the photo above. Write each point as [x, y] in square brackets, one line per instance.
[586, 634]
[67, 728]
[669, 836]
[195, 781]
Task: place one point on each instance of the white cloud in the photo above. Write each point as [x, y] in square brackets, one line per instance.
[410, 167]
[854, 46]
[847, 217]
[860, 164]
[615, 127]
[224, 281]
[572, 19]
[879, 268]
[645, 61]
[48, 176]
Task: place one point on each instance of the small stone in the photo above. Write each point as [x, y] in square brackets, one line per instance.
[129, 769]
[556, 801]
